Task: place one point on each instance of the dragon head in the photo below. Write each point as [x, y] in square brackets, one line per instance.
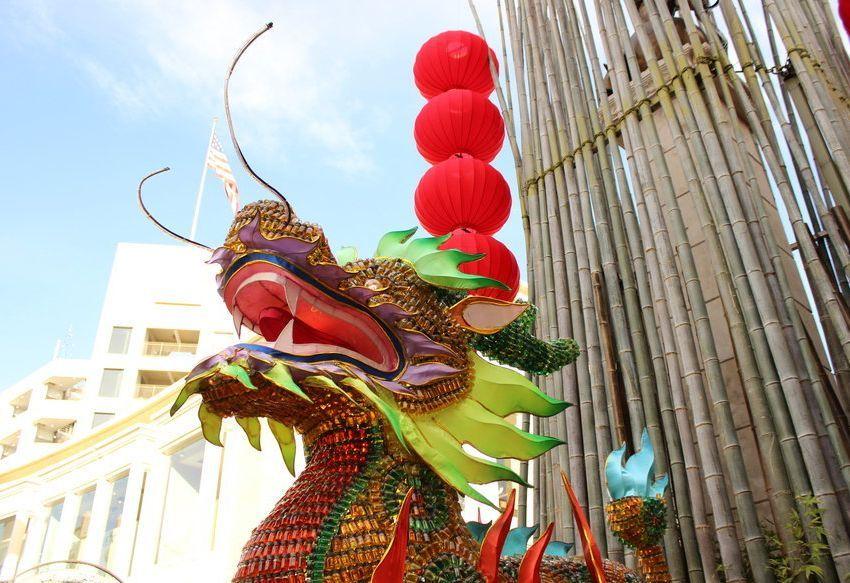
[394, 342]
[394, 339]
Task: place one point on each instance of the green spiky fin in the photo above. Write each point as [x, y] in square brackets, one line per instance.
[210, 425]
[469, 422]
[285, 437]
[346, 255]
[437, 266]
[235, 371]
[504, 391]
[251, 427]
[440, 462]
[387, 407]
[280, 376]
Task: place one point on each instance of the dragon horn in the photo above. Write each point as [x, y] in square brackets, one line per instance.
[592, 556]
[391, 568]
[494, 540]
[529, 568]
[248, 168]
[162, 227]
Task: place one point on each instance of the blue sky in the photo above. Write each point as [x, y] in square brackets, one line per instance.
[97, 94]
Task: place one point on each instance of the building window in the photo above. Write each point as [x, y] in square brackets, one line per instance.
[100, 418]
[182, 498]
[6, 526]
[150, 382]
[119, 342]
[113, 522]
[110, 382]
[165, 342]
[50, 531]
[81, 526]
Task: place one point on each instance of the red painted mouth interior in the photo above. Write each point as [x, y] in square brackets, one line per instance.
[301, 319]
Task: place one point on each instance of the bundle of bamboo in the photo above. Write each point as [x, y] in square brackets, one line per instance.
[659, 153]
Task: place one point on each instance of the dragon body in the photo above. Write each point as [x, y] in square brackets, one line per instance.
[374, 362]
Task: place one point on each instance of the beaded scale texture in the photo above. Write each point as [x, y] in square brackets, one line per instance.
[373, 362]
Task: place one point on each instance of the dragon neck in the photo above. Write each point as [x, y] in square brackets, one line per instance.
[336, 520]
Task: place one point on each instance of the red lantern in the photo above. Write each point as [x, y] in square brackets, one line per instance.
[459, 121]
[462, 192]
[454, 59]
[843, 11]
[498, 262]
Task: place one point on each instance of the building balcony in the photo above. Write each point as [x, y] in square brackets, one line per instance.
[54, 430]
[64, 388]
[9, 445]
[160, 348]
[167, 342]
[151, 382]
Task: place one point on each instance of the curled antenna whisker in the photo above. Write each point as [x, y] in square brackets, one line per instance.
[242, 159]
[159, 225]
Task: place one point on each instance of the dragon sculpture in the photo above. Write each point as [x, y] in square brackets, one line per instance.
[385, 367]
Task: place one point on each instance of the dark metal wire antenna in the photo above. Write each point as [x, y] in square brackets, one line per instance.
[248, 168]
[162, 227]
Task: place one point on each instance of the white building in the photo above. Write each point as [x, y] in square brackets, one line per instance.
[95, 470]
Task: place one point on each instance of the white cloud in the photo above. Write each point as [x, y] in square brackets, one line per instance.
[152, 57]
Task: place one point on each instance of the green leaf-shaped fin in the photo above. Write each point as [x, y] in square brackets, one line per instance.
[210, 425]
[237, 372]
[504, 391]
[471, 423]
[346, 255]
[388, 409]
[478, 529]
[437, 266]
[285, 437]
[392, 244]
[188, 390]
[439, 462]
[251, 426]
[441, 268]
[280, 376]
[474, 469]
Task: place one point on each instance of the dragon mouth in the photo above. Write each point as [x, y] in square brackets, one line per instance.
[305, 320]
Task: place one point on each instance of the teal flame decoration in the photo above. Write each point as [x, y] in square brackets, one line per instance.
[517, 540]
[636, 477]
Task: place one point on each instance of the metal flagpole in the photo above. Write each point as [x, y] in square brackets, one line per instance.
[203, 180]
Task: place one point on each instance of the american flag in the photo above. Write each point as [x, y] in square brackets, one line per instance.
[218, 162]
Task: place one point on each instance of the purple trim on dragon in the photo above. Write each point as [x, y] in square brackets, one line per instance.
[422, 374]
[390, 312]
[418, 343]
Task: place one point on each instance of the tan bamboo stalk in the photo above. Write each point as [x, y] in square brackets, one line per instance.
[596, 224]
[777, 483]
[690, 520]
[593, 412]
[797, 406]
[599, 225]
[723, 519]
[810, 360]
[548, 209]
[782, 503]
[812, 86]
